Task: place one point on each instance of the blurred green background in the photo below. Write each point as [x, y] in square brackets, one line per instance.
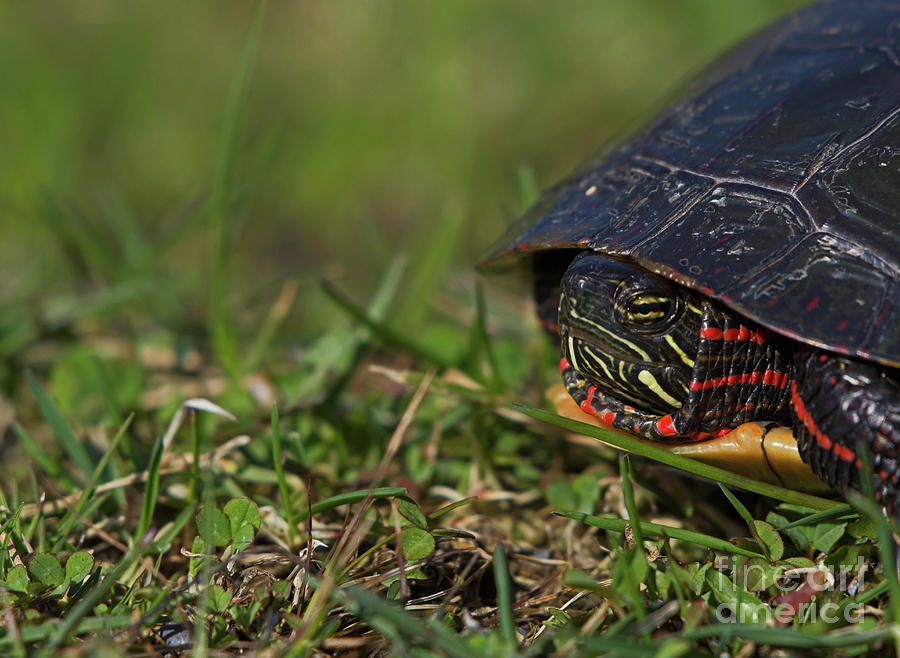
[368, 130]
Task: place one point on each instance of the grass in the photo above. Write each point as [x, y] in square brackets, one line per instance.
[231, 436]
[420, 521]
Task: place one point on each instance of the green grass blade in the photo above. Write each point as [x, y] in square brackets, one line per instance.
[10, 531]
[449, 507]
[362, 337]
[745, 514]
[428, 268]
[51, 413]
[658, 530]
[165, 538]
[222, 329]
[480, 346]
[269, 329]
[739, 507]
[387, 289]
[352, 497]
[78, 237]
[504, 596]
[381, 330]
[871, 593]
[65, 311]
[34, 634]
[396, 623]
[622, 646]
[74, 512]
[194, 488]
[793, 637]
[635, 521]
[840, 513]
[637, 447]
[283, 488]
[630, 505]
[50, 467]
[151, 490]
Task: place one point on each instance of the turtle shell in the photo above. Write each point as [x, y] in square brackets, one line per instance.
[774, 187]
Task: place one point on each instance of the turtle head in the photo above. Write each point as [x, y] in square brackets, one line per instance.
[629, 332]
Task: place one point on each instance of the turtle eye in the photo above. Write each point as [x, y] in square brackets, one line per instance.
[648, 311]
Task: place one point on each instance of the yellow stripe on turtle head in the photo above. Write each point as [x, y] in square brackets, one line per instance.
[648, 380]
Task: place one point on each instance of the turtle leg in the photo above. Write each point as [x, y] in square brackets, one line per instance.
[840, 403]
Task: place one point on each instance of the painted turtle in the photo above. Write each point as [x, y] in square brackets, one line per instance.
[739, 260]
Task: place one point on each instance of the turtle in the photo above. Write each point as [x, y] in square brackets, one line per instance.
[738, 259]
